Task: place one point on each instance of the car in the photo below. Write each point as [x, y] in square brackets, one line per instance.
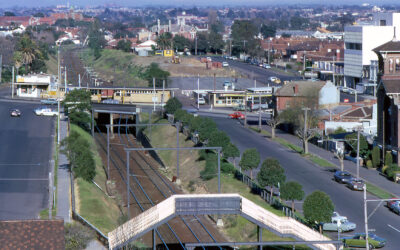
[274, 79]
[209, 59]
[50, 101]
[343, 176]
[15, 112]
[394, 199]
[227, 84]
[225, 64]
[110, 101]
[394, 206]
[261, 65]
[45, 111]
[266, 66]
[334, 225]
[201, 101]
[356, 184]
[234, 58]
[237, 115]
[358, 240]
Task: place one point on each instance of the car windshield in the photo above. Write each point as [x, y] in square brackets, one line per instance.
[345, 174]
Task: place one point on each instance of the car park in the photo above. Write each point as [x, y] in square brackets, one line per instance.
[225, 64]
[342, 176]
[359, 240]
[356, 184]
[49, 101]
[15, 112]
[237, 115]
[45, 111]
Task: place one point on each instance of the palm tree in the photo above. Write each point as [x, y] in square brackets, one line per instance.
[164, 40]
[28, 51]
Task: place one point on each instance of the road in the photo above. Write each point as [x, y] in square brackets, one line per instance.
[260, 74]
[26, 143]
[348, 203]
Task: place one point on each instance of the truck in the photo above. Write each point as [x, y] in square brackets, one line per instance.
[338, 221]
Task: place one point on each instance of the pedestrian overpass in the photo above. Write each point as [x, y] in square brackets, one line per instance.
[217, 204]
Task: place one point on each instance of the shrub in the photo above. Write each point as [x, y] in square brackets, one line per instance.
[388, 158]
[210, 170]
[384, 169]
[369, 164]
[227, 168]
[391, 170]
[77, 236]
[172, 105]
[376, 157]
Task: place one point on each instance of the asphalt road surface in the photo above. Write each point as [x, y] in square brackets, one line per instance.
[25, 153]
[347, 203]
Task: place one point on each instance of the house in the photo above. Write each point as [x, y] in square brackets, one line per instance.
[32, 234]
[388, 97]
[33, 85]
[145, 46]
[313, 94]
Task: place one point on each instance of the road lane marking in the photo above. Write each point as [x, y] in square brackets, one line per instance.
[394, 228]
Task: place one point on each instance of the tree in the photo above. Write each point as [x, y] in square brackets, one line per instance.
[268, 31]
[39, 14]
[231, 151]
[271, 174]
[181, 42]
[164, 41]
[9, 13]
[96, 39]
[216, 44]
[318, 207]
[274, 122]
[376, 157]
[172, 105]
[388, 158]
[78, 105]
[124, 45]
[206, 128]
[340, 155]
[218, 139]
[351, 139]
[250, 160]
[154, 71]
[291, 191]
[243, 35]
[339, 130]
[28, 51]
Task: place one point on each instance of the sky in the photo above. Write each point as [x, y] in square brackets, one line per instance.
[186, 3]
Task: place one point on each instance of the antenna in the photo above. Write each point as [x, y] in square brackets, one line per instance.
[394, 34]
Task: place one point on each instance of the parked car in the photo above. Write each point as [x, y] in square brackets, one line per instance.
[356, 184]
[50, 101]
[345, 225]
[15, 112]
[388, 203]
[358, 240]
[394, 206]
[201, 101]
[110, 101]
[237, 115]
[267, 66]
[225, 64]
[234, 58]
[227, 84]
[45, 111]
[343, 176]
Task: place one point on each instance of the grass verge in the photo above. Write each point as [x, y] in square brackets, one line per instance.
[92, 203]
[378, 192]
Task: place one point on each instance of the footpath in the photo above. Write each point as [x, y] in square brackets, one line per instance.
[370, 175]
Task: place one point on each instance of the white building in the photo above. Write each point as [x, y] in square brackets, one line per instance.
[33, 85]
[359, 42]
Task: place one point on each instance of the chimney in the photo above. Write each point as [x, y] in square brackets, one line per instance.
[296, 89]
[169, 26]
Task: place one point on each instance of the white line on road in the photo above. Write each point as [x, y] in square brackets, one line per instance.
[393, 228]
[23, 179]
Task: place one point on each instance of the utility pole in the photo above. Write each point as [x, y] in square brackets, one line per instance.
[12, 83]
[259, 111]
[333, 70]
[366, 217]
[255, 83]
[198, 91]
[1, 65]
[195, 47]
[358, 152]
[215, 82]
[58, 97]
[305, 130]
[304, 64]
[65, 80]
[162, 97]
[269, 52]
[383, 136]
[245, 108]
[154, 95]
[79, 80]
[230, 46]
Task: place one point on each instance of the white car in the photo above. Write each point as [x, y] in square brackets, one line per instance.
[267, 66]
[225, 64]
[46, 112]
[234, 58]
[201, 101]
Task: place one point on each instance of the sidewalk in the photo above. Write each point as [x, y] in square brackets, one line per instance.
[370, 175]
[63, 177]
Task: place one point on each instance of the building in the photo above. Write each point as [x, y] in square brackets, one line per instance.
[360, 40]
[388, 97]
[35, 85]
[312, 94]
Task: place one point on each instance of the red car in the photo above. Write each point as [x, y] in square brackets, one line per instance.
[237, 115]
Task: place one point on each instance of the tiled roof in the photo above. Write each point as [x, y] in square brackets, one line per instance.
[304, 88]
[392, 86]
[393, 45]
[32, 234]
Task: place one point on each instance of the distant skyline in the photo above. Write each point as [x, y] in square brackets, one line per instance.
[182, 3]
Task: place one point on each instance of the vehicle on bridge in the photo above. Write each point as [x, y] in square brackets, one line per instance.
[15, 112]
[359, 240]
[237, 115]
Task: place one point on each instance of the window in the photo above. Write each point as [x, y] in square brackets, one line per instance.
[354, 46]
[397, 67]
[382, 22]
[391, 65]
